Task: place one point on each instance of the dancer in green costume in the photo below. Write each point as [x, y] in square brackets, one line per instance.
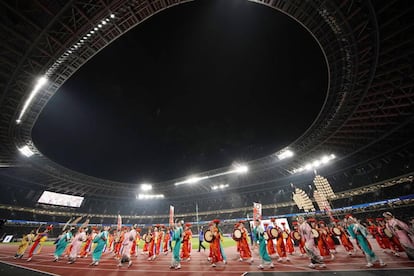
[100, 240]
[258, 232]
[177, 236]
[62, 243]
[360, 234]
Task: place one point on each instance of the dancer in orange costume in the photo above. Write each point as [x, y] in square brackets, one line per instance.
[280, 244]
[215, 251]
[185, 250]
[269, 243]
[388, 243]
[151, 244]
[86, 247]
[300, 242]
[288, 241]
[323, 245]
[158, 239]
[166, 240]
[38, 242]
[328, 236]
[119, 239]
[345, 241]
[243, 244]
[373, 230]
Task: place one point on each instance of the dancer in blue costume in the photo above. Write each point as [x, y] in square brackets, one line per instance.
[360, 233]
[258, 232]
[177, 236]
[62, 243]
[100, 240]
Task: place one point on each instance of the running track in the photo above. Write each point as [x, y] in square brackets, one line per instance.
[198, 264]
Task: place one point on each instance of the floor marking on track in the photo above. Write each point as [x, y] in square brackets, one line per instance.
[28, 268]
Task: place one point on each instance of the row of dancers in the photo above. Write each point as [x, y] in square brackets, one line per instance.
[314, 239]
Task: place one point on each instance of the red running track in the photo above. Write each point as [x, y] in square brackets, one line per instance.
[198, 264]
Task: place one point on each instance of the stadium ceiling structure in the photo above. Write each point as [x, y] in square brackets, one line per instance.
[368, 111]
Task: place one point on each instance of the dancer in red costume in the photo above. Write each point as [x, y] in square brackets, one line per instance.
[151, 244]
[345, 241]
[269, 243]
[215, 252]
[185, 250]
[389, 243]
[280, 244]
[166, 240]
[288, 241]
[38, 242]
[243, 244]
[322, 243]
[300, 242]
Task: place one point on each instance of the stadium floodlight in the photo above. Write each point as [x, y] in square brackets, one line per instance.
[99, 26]
[103, 22]
[146, 187]
[325, 159]
[285, 154]
[150, 196]
[95, 28]
[26, 151]
[308, 166]
[39, 84]
[236, 169]
[241, 169]
[221, 186]
[315, 163]
[191, 180]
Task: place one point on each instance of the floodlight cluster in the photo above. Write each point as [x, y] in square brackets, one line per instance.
[69, 51]
[149, 196]
[315, 164]
[26, 151]
[80, 43]
[239, 169]
[221, 186]
[283, 154]
[146, 187]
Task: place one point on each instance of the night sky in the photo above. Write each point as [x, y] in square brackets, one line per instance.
[195, 87]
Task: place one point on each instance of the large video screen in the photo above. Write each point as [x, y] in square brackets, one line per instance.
[60, 199]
